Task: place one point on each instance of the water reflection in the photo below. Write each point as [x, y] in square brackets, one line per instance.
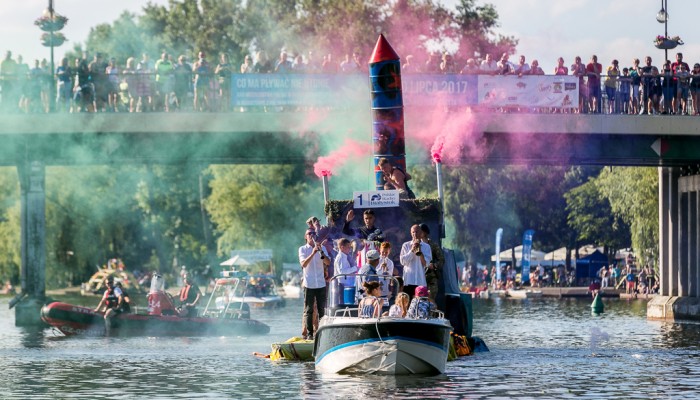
[540, 348]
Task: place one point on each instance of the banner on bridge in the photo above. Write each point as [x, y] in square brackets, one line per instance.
[422, 90]
[528, 91]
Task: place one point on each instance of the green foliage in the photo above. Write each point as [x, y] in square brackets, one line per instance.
[633, 193]
[591, 216]
[238, 27]
[10, 256]
[259, 207]
[479, 200]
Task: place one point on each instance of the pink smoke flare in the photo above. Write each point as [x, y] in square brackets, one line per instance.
[349, 150]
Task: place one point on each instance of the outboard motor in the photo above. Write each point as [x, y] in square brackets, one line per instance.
[159, 302]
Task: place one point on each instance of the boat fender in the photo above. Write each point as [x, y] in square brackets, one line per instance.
[461, 345]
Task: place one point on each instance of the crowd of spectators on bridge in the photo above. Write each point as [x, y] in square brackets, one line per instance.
[99, 83]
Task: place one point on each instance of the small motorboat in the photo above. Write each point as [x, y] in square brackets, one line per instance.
[523, 293]
[347, 343]
[219, 318]
[260, 292]
[292, 291]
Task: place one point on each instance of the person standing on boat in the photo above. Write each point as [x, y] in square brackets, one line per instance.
[325, 234]
[343, 266]
[189, 297]
[415, 257]
[433, 271]
[314, 260]
[386, 269]
[369, 234]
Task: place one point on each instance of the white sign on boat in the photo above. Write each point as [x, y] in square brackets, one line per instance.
[376, 199]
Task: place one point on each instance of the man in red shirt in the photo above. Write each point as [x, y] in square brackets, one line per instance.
[675, 69]
[593, 70]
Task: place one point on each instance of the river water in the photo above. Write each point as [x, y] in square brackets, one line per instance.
[540, 348]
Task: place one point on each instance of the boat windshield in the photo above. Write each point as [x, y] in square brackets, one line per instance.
[223, 301]
[346, 289]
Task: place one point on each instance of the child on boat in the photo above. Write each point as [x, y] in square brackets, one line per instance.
[400, 306]
[371, 305]
[421, 306]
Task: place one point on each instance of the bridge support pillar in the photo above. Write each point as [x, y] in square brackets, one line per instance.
[679, 261]
[32, 176]
[668, 231]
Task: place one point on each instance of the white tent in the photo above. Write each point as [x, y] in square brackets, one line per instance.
[587, 250]
[557, 256]
[236, 260]
[536, 256]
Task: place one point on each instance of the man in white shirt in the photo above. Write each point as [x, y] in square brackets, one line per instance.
[415, 257]
[342, 266]
[314, 260]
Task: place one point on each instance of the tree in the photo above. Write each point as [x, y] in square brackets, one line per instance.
[259, 206]
[10, 256]
[591, 216]
[633, 195]
[475, 29]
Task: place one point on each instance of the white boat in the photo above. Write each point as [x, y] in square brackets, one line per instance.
[346, 343]
[290, 291]
[523, 294]
[260, 292]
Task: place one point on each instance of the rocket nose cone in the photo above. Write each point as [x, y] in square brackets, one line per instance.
[382, 51]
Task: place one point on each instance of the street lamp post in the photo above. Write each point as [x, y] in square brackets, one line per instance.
[662, 17]
[51, 23]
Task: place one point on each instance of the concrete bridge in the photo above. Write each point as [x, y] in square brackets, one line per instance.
[32, 142]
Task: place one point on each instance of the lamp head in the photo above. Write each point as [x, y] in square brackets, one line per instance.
[662, 16]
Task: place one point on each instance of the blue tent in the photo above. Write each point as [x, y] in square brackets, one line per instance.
[588, 267]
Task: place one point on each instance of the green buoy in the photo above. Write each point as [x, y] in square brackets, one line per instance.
[597, 306]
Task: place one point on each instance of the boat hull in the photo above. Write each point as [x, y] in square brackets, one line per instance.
[382, 346]
[76, 320]
[266, 302]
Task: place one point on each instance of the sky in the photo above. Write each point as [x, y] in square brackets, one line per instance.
[546, 29]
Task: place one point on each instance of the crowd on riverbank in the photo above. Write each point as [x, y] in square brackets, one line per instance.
[630, 277]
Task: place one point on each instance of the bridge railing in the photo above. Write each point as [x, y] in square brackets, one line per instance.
[187, 91]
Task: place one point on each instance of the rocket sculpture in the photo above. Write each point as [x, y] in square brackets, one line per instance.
[387, 108]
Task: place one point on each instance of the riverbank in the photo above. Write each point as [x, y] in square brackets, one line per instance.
[580, 292]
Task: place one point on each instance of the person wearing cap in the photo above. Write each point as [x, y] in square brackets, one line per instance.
[415, 257]
[313, 260]
[369, 271]
[433, 271]
[421, 306]
[189, 297]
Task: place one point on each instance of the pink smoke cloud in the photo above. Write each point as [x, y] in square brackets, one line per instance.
[348, 151]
